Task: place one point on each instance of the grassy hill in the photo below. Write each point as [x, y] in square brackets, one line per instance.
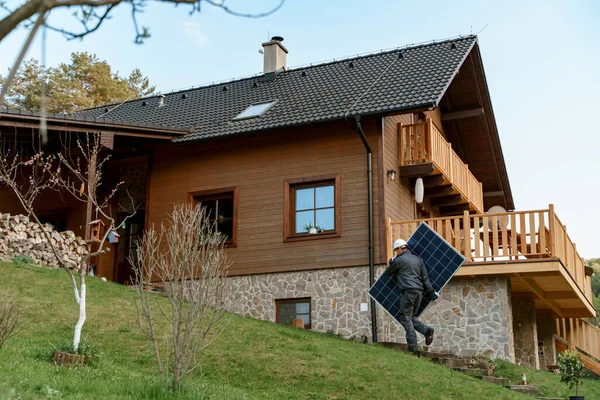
[252, 360]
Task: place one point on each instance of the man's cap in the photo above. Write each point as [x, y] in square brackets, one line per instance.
[399, 243]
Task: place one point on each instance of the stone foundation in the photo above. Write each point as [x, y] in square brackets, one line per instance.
[336, 296]
[525, 329]
[545, 332]
[472, 316]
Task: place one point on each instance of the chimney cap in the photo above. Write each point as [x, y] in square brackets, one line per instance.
[277, 39]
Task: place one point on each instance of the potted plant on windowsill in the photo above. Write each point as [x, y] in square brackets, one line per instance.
[312, 229]
[571, 371]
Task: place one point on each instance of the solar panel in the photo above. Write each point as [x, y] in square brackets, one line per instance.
[440, 258]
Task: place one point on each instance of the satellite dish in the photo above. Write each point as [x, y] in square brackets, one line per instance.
[419, 191]
[496, 210]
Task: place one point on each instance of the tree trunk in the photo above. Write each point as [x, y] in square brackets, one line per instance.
[82, 316]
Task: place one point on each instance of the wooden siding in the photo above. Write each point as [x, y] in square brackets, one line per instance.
[399, 203]
[259, 165]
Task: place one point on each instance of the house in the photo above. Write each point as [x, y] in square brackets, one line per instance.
[341, 145]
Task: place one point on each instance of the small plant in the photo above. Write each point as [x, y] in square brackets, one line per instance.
[9, 319]
[89, 352]
[571, 369]
[311, 228]
[22, 259]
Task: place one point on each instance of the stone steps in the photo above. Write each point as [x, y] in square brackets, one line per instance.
[475, 372]
[467, 366]
[495, 380]
[525, 389]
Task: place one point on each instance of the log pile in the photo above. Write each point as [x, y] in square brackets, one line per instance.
[21, 236]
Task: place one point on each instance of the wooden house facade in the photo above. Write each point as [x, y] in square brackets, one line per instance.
[275, 155]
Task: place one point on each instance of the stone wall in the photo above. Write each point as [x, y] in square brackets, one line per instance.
[545, 332]
[20, 236]
[525, 329]
[336, 297]
[472, 316]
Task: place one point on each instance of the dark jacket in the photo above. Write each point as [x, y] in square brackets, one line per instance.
[410, 273]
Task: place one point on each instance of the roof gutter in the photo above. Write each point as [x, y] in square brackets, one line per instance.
[370, 214]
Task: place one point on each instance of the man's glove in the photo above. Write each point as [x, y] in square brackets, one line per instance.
[433, 296]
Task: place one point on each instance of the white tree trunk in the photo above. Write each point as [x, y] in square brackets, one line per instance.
[82, 316]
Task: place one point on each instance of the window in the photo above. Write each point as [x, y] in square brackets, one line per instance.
[312, 207]
[221, 209]
[290, 309]
[255, 110]
[58, 220]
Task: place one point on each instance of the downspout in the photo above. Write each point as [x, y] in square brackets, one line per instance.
[370, 211]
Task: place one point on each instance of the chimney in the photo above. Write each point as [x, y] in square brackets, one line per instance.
[275, 55]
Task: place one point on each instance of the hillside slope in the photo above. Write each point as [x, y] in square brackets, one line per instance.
[251, 360]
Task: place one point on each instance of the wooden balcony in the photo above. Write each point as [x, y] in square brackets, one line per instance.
[531, 247]
[424, 152]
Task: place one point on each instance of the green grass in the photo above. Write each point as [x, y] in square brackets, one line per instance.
[251, 360]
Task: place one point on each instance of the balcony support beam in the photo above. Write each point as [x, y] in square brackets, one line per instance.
[476, 112]
[541, 294]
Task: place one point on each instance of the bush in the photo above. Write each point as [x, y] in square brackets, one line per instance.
[22, 259]
[9, 319]
[571, 369]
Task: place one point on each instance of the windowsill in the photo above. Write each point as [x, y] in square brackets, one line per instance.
[300, 238]
[229, 244]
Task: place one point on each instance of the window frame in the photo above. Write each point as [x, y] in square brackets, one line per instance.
[308, 300]
[289, 209]
[215, 194]
[269, 103]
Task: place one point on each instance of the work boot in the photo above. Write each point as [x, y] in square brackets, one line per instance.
[429, 336]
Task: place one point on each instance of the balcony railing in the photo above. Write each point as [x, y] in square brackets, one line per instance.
[423, 143]
[502, 237]
[575, 333]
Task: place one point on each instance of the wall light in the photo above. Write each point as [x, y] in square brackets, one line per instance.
[391, 175]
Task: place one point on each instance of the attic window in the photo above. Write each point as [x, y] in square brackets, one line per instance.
[255, 110]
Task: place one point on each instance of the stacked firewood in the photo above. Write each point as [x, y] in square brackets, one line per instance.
[20, 236]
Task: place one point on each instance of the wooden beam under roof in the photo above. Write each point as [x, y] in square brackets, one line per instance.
[473, 113]
[539, 292]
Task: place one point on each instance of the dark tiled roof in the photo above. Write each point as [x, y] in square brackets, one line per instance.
[371, 84]
[88, 117]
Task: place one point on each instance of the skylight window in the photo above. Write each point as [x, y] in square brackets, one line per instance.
[255, 110]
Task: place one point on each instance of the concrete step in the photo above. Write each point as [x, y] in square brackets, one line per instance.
[495, 380]
[478, 372]
[451, 362]
[525, 389]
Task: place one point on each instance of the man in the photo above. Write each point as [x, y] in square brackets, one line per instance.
[409, 272]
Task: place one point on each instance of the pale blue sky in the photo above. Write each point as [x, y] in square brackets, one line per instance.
[542, 63]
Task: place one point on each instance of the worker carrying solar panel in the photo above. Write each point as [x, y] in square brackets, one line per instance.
[409, 272]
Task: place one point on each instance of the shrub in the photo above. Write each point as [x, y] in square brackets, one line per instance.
[571, 369]
[9, 319]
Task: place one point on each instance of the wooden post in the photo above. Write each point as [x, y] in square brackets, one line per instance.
[400, 142]
[91, 189]
[467, 234]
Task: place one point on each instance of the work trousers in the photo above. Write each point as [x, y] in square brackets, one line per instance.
[409, 306]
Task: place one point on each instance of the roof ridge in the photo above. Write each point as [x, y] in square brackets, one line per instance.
[295, 68]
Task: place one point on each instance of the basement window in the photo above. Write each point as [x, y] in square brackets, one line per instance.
[255, 110]
[290, 309]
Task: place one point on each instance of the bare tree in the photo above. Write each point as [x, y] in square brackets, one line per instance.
[30, 175]
[188, 257]
[90, 15]
[9, 319]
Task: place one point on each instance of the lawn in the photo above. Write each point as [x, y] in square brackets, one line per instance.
[251, 360]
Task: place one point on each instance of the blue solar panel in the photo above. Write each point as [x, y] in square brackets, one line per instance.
[440, 258]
